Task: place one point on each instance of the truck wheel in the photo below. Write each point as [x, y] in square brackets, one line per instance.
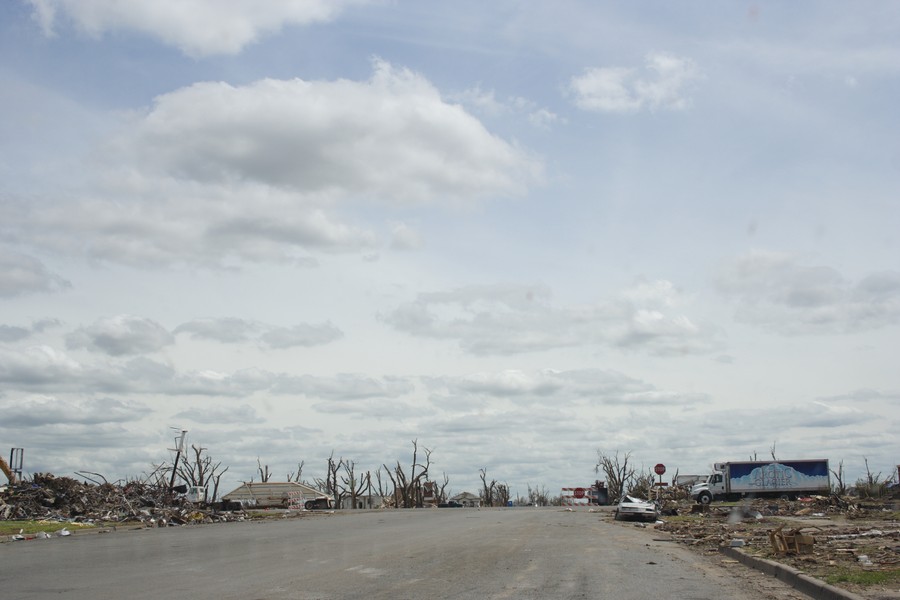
[704, 498]
[309, 505]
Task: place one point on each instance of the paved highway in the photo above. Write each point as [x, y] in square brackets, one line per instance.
[517, 553]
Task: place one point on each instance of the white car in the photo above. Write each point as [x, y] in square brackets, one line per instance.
[636, 508]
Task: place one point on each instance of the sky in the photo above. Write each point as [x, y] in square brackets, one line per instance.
[520, 233]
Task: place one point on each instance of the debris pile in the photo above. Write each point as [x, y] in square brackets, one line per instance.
[49, 497]
[819, 535]
[751, 514]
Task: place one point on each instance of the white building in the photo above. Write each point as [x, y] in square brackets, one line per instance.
[467, 499]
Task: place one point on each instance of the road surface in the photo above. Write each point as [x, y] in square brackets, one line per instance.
[519, 553]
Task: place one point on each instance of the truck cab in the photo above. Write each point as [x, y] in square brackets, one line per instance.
[196, 494]
[714, 487]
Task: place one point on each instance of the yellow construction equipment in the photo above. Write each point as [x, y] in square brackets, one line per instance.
[4, 466]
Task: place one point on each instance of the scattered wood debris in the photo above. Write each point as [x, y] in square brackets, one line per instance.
[48, 497]
[821, 536]
[791, 541]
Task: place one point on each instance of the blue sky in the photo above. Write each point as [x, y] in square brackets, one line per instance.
[519, 233]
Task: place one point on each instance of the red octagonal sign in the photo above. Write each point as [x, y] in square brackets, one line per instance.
[579, 493]
[660, 469]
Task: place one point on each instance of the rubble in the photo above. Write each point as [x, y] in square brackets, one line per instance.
[64, 499]
[824, 536]
[792, 541]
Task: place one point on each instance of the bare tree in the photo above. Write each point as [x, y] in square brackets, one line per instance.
[442, 492]
[264, 473]
[352, 485]
[158, 477]
[840, 488]
[487, 489]
[331, 485]
[873, 485]
[201, 471]
[297, 476]
[408, 489]
[640, 485]
[539, 496]
[369, 489]
[618, 473]
[501, 495]
[381, 485]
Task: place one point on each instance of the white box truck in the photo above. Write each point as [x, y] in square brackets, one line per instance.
[780, 479]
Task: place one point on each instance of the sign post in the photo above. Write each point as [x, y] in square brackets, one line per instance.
[660, 469]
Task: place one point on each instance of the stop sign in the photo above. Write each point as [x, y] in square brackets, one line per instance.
[659, 469]
[579, 493]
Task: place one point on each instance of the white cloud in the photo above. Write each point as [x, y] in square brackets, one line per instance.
[11, 333]
[864, 395]
[777, 292]
[301, 335]
[36, 366]
[391, 137]
[543, 118]
[224, 415]
[605, 89]
[343, 386]
[196, 27]
[218, 174]
[593, 387]
[662, 84]
[231, 330]
[510, 319]
[121, 335]
[226, 330]
[404, 237]
[22, 274]
[43, 369]
[485, 102]
[782, 419]
[374, 409]
[37, 411]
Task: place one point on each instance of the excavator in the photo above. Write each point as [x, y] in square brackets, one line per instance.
[4, 466]
[11, 472]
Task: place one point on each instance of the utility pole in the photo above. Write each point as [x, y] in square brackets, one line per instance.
[179, 449]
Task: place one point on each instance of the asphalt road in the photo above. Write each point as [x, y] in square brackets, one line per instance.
[430, 553]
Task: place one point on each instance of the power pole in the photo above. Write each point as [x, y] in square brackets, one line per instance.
[179, 449]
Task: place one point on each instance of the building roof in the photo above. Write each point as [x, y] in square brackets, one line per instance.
[465, 496]
[251, 490]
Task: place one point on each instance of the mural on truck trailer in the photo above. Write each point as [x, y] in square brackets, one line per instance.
[778, 475]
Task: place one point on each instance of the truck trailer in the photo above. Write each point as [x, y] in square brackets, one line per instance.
[764, 479]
